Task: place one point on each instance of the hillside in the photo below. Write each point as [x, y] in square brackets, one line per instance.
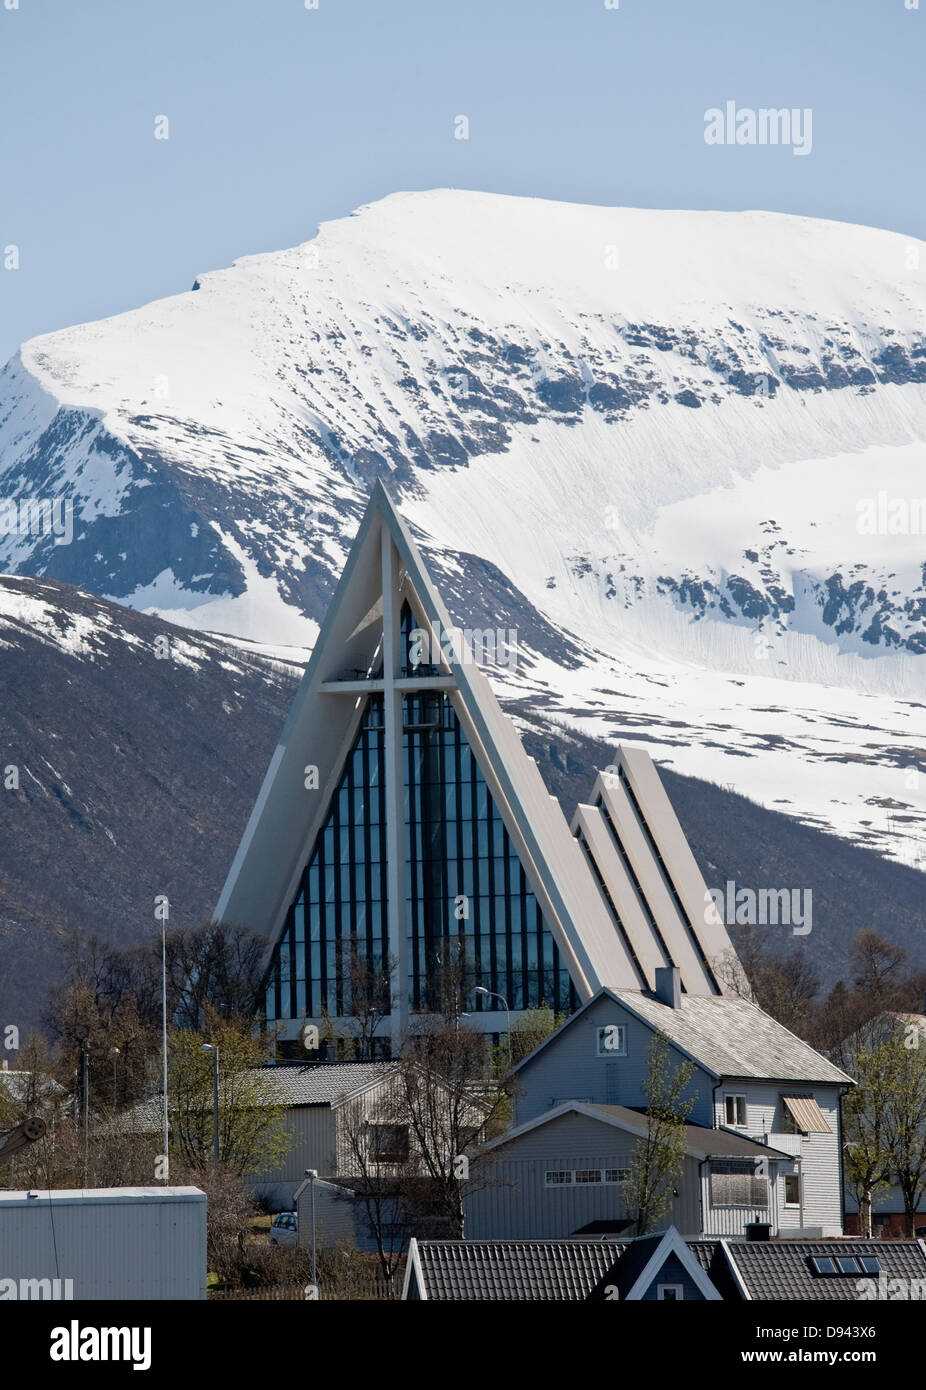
[687, 447]
[137, 773]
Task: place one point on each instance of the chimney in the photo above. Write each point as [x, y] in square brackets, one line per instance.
[669, 985]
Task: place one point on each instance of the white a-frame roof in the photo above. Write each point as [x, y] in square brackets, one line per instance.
[359, 651]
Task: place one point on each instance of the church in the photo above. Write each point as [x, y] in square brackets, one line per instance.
[403, 836]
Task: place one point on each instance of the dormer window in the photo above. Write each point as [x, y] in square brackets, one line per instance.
[612, 1040]
[734, 1110]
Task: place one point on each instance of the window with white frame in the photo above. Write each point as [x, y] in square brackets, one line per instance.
[586, 1177]
[612, 1040]
[670, 1293]
[734, 1110]
[736, 1182]
[792, 1189]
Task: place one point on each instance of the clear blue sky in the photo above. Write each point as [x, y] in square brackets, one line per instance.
[281, 117]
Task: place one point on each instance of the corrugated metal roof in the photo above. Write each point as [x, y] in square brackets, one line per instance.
[732, 1037]
[807, 1114]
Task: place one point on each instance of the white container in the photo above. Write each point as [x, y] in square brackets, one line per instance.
[111, 1243]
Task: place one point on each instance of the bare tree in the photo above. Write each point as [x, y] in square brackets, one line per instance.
[877, 965]
[448, 1107]
[370, 992]
[381, 1182]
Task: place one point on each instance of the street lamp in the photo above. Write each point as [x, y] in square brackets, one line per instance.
[208, 1047]
[312, 1174]
[481, 989]
[114, 1053]
[85, 1102]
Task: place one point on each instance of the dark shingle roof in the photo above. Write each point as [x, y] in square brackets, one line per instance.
[709, 1255]
[782, 1268]
[517, 1270]
[575, 1270]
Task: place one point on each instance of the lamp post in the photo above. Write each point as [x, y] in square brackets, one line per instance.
[85, 1103]
[114, 1053]
[312, 1174]
[208, 1047]
[481, 989]
[164, 1117]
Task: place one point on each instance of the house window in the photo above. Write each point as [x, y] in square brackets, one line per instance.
[612, 1040]
[615, 1176]
[735, 1110]
[558, 1177]
[802, 1115]
[588, 1175]
[390, 1143]
[792, 1190]
[735, 1183]
[669, 1293]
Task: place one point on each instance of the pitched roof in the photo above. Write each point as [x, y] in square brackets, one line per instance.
[645, 1257]
[321, 1083]
[700, 1141]
[574, 1270]
[513, 1270]
[724, 1034]
[782, 1268]
[732, 1037]
[17, 1085]
[324, 715]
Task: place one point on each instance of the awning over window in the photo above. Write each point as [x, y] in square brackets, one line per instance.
[806, 1114]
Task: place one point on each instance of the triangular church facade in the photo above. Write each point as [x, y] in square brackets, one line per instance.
[402, 828]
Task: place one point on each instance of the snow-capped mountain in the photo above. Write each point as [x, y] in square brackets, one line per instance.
[131, 752]
[686, 450]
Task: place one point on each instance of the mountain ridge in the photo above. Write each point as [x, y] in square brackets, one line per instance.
[649, 431]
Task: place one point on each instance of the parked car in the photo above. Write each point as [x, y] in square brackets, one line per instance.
[284, 1229]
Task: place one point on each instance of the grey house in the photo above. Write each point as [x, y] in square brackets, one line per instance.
[324, 1104]
[561, 1174]
[753, 1081]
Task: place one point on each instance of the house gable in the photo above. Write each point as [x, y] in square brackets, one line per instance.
[576, 1064]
